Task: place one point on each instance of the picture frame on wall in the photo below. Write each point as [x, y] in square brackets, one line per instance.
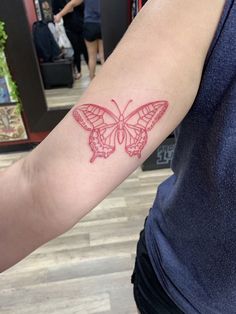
[12, 126]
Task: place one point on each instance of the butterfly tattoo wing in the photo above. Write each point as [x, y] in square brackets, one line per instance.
[102, 124]
[139, 122]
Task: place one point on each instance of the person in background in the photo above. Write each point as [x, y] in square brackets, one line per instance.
[92, 30]
[73, 23]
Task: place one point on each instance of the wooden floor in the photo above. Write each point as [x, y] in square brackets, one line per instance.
[88, 269]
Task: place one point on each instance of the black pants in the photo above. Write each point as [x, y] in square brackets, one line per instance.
[77, 41]
[148, 293]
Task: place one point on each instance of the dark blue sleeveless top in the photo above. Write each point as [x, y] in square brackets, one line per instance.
[92, 11]
[191, 229]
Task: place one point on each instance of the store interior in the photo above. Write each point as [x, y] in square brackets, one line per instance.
[88, 269]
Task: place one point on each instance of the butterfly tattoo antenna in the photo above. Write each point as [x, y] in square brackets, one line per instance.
[114, 102]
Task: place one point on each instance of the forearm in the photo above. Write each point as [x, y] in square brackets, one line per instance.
[23, 225]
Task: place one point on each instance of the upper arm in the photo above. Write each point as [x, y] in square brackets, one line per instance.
[159, 59]
[76, 2]
[70, 6]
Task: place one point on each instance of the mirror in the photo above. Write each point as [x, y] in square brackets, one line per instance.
[24, 65]
[62, 53]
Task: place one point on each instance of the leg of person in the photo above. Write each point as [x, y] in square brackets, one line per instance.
[92, 47]
[73, 38]
[82, 46]
[101, 51]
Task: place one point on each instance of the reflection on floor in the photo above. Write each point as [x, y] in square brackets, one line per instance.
[88, 269]
[67, 97]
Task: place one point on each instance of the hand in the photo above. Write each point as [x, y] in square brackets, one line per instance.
[57, 18]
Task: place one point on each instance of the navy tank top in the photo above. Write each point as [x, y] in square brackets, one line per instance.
[92, 11]
[191, 228]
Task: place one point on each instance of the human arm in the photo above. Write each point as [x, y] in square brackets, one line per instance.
[160, 58]
[69, 7]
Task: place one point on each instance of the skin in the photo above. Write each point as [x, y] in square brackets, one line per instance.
[93, 47]
[69, 7]
[161, 57]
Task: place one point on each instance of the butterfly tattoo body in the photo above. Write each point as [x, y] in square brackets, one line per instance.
[106, 128]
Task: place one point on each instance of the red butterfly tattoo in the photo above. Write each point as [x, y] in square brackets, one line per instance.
[106, 128]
